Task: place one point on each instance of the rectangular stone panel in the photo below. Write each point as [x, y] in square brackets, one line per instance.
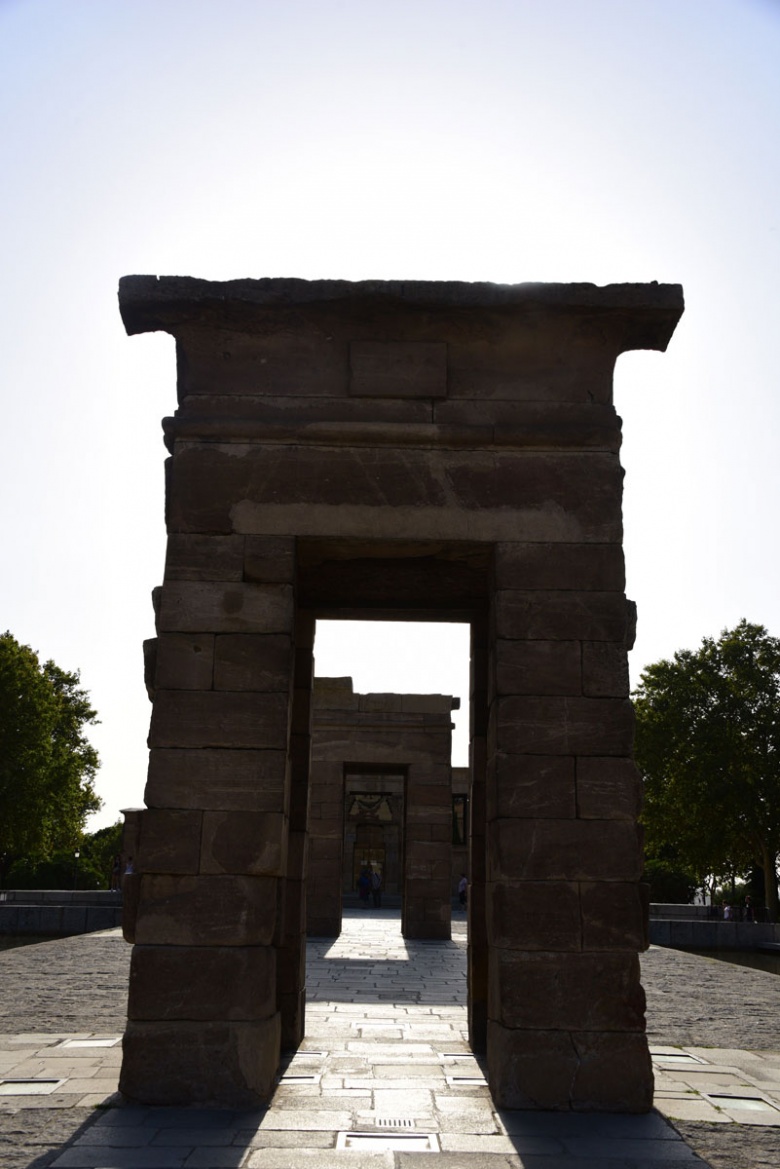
[572, 566]
[614, 916]
[202, 982]
[410, 493]
[289, 362]
[220, 779]
[560, 615]
[196, 557]
[608, 789]
[254, 843]
[212, 607]
[566, 991]
[605, 669]
[536, 667]
[559, 1070]
[185, 661]
[563, 850]
[187, 718]
[398, 369]
[206, 911]
[534, 915]
[221, 1064]
[250, 661]
[530, 786]
[535, 358]
[169, 841]
[561, 726]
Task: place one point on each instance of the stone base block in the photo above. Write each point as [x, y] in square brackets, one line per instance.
[199, 982]
[219, 1065]
[569, 1071]
[292, 1008]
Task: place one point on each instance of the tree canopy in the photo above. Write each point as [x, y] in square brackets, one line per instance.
[708, 746]
[47, 765]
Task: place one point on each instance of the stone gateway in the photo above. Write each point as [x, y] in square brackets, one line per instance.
[406, 451]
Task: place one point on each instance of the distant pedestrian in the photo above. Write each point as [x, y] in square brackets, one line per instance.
[116, 874]
[749, 911]
[376, 888]
[129, 867]
[463, 886]
[364, 886]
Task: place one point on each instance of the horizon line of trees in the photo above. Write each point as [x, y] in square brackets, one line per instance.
[708, 749]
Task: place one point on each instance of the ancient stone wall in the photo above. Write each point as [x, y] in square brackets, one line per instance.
[407, 739]
[404, 451]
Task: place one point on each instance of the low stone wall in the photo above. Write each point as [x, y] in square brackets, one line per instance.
[58, 912]
[712, 935]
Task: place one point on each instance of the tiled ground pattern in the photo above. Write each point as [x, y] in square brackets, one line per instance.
[396, 1055]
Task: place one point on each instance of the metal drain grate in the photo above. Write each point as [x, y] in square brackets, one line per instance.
[302, 1078]
[743, 1103]
[90, 1042]
[399, 1142]
[455, 1081]
[28, 1087]
[677, 1057]
[393, 1122]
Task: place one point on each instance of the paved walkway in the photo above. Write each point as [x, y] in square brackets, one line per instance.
[385, 1078]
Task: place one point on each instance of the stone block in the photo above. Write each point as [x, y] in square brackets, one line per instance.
[398, 369]
[169, 842]
[248, 661]
[561, 1071]
[531, 786]
[269, 559]
[251, 843]
[605, 669]
[297, 855]
[220, 1064]
[131, 892]
[608, 789]
[220, 779]
[197, 557]
[561, 726]
[536, 425]
[534, 915]
[185, 661]
[292, 1010]
[202, 983]
[536, 667]
[150, 665]
[566, 991]
[238, 719]
[578, 567]
[420, 493]
[614, 1073]
[279, 361]
[563, 850]
[614, 916]
[560, 615]
[530, 1069]
[206, 911]
[189, 606]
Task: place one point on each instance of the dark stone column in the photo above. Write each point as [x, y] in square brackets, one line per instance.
[212, 850]
[477, 935]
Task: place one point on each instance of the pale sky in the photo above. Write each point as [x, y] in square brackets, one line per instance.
[502, 140]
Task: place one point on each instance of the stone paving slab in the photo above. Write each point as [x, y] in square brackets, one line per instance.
[369, 1073]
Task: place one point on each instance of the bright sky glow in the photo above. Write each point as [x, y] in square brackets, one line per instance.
[503, 140]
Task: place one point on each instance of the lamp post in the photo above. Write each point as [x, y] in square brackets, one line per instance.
[76, 856]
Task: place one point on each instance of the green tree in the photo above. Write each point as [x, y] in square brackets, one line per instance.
[47, 765]
[708, 746]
